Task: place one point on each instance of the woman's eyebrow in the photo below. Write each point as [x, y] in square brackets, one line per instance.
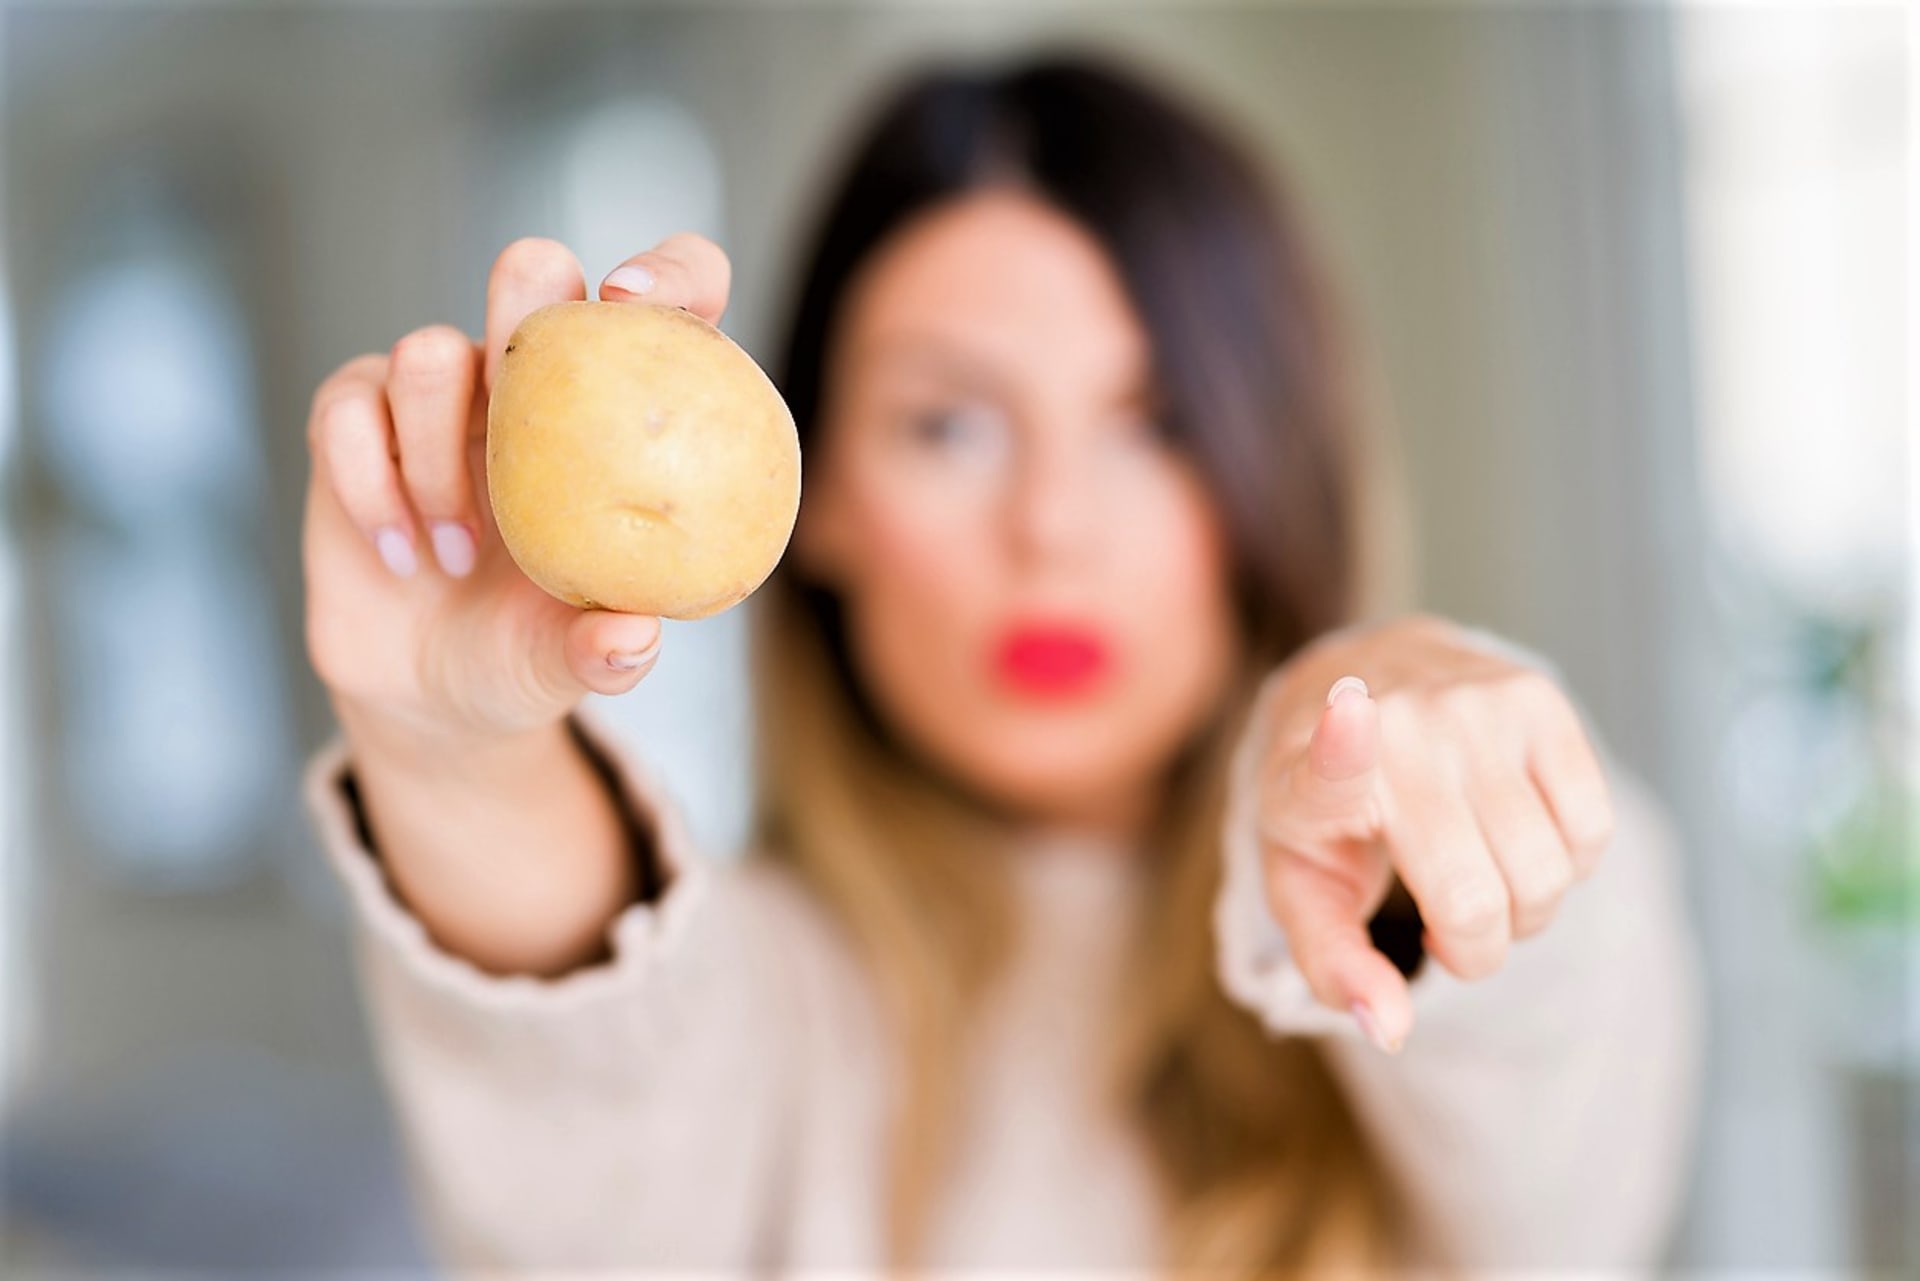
[946, 362]
[933, 357]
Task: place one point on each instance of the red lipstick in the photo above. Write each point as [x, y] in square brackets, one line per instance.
[1050, 660]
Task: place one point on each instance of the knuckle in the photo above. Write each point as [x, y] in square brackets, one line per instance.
[1549, 877]
[537, 263]
[1532, 920]
[1538, 893]
[525, 252]
[1533, 691]
[1465, 703]
[1586, 857]
[1457, 709]
[435, 354]
[1470, 906]
[1481, 961]
[545, 673]
[343, 383]
[703, 262]
[1590, 820]
[339, 421]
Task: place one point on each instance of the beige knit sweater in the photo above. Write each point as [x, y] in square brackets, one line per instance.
[714, 1097]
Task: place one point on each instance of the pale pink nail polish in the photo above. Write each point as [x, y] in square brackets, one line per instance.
[1370, 1027]
[629, 279]
[453, 547]
[396, 549]
[628, 660]
[1344, 684]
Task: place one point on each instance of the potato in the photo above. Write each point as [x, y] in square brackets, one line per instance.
[638, 460]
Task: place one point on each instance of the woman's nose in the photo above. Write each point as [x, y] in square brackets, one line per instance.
[1054, 511]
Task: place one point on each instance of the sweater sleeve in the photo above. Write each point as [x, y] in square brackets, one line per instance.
[629, 1113]
[1542, 1117]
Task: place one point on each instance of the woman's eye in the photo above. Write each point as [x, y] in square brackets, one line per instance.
[965, 428]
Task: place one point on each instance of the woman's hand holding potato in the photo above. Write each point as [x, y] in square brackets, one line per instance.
[417, 618]
[450, 670]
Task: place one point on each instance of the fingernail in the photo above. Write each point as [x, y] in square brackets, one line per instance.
[453, 547]
[1370, 1027]
[626, 660]
[628, 279]
[397, 550]
[1344, 684]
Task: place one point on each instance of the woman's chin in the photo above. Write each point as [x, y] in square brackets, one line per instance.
[1064, 789]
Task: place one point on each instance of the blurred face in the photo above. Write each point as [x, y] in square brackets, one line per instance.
[1035, 581]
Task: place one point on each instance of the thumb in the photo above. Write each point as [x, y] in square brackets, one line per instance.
[609, 652]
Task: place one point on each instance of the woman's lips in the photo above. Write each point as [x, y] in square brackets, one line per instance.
[1050, 660]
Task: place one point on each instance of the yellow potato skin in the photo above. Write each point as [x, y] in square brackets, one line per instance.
[638, 460]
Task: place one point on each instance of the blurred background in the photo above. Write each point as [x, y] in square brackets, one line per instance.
[1632, 281]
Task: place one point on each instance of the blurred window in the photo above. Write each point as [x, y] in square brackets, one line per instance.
[166, 672]
[1799, 250]
[632, 170]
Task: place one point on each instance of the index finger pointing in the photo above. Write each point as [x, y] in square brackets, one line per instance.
[1324, 917]
[1329, 787]
[528, 274]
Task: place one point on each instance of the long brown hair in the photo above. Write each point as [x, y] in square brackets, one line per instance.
[1263, 1165]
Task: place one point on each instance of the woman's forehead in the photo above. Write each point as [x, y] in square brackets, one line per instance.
[994, 285]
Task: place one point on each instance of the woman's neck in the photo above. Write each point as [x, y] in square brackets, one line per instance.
[1116, 827]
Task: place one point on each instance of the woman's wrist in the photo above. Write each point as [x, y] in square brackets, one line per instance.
[397, 746]
[514, 851]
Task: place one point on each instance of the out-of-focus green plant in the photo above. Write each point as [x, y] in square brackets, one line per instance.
[1864, 863]
[1866, 866]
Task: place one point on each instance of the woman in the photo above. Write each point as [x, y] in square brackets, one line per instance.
[1117, 900]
